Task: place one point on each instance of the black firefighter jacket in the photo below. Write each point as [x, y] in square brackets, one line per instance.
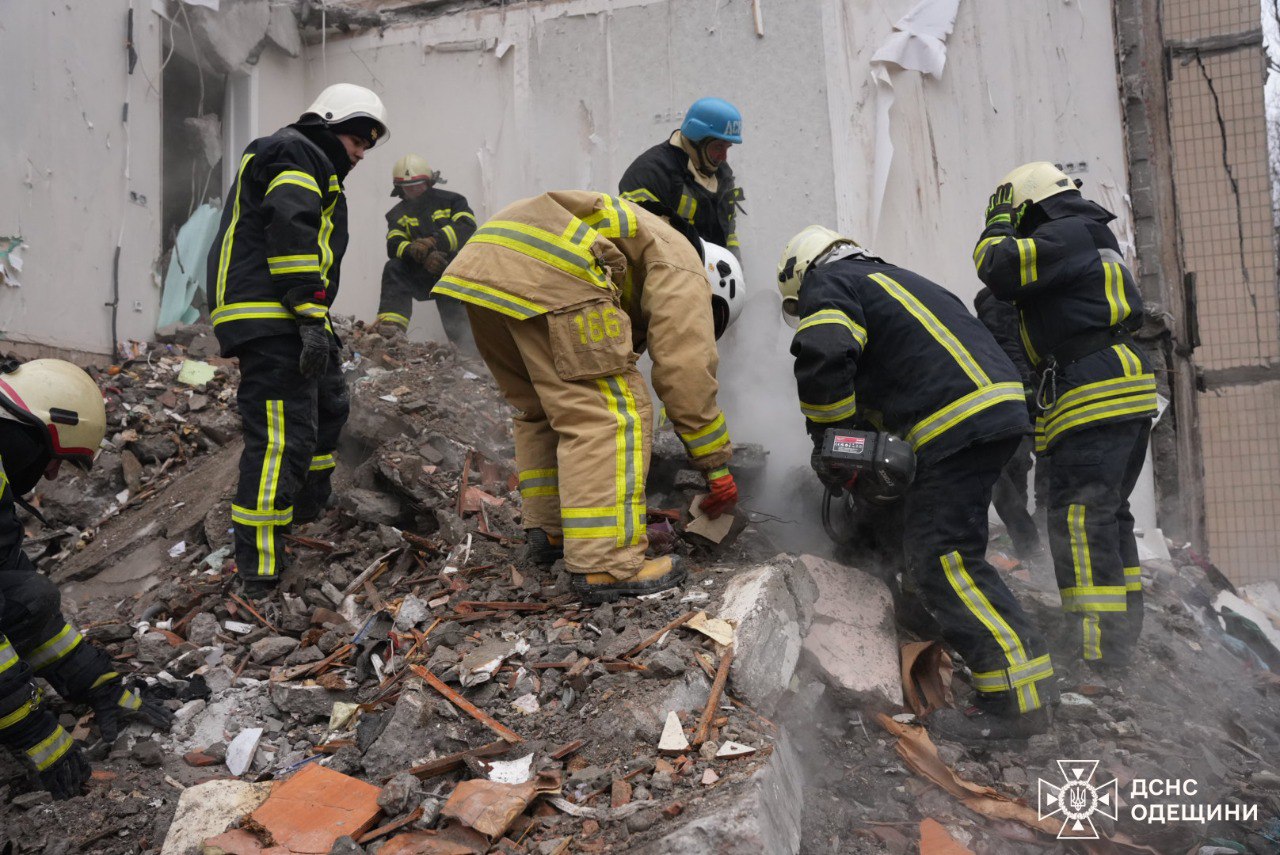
[1063, 270]
[437, 214]
[276, 258]
[660, 182]
[883, 344]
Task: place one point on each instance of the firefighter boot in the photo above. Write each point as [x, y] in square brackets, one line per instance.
[977, 725]
[542, 549]
[657, 574]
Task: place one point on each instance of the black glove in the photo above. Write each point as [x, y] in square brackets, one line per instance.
[66, 778]
[315, 349]
[112, 702]
[1000, 207]
[34, 733]
[834, 477]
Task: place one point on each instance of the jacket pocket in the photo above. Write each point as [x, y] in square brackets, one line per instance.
[590, 339]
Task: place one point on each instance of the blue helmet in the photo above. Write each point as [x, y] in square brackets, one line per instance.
[712, 117]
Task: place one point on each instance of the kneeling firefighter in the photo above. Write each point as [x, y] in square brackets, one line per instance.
[50, 411]
[564, 291]
[878, 342]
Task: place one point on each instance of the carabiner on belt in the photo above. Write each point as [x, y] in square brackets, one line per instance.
[1047, 394]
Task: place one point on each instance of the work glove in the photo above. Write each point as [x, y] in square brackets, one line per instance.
[724, 493]
[1000, 207]
[436, 262]
[66, 778]
[112, 702]
[834, 477]
[34, 733]
[315, 349]
[420, 250]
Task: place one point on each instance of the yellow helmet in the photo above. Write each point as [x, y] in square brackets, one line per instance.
[59, 398]
[799, 255]
[1035, 182]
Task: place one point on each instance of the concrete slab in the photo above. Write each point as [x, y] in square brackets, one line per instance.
[769, 629]
[207, 809]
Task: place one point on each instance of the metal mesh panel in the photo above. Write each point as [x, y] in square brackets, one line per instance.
[1194, 19]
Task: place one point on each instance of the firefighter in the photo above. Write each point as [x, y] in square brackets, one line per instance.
[880, 343]
[273, 274]
[564, 291]
[50, 411]
[425, 230]
[687, 179]
[1010, 496]
[1048, 250]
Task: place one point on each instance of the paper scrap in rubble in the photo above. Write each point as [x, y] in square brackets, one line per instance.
[527, 704]
[717, 629]
[511, 771]
[341, 714]
[714, 530]
[734, 749]
[178, 549]
[196, 373]
[673, 740]
[241, 750]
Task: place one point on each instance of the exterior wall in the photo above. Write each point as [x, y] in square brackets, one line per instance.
[69, 165]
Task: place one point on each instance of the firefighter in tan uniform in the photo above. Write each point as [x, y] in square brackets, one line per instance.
[564, 291]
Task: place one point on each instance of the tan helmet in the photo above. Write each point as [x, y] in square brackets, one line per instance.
[801, 252]
[343, 102]
[59, 398]
[409, 170]
[1035, 182]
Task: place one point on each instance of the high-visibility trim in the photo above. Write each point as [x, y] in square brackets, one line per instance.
[440, 214]
[281, 265]
[590, 523]
[16, 716]
[932, 426]
[980, 251]
[628, 459]
[1008, 679]
[55, 649]
[614, 220]
[393, 318]
[1027, 261]
[1103, 389]
[688, 207]
[707, 440]
[539, 482]
[104, 679]
[544, 246]
[326, 232]
[1095, 598]
[8, 656]
[488, 298]
[451, 236]
[732, 240]
[640, 194]
[129, 700]
[250, 516]
[829, 413]
[464, 215]
[1129, 361]
[980, 607]
[1113, 287]
[321, 462]
[250, 311]
[717, 473]
[409, 223]
[1091, 631]
[334, 186]
[839, 318]
[1026, 339]
[50, 749]
[229, 237]
[1081, 560]
[311, 311]
[398, 233]
[297, 179]
[935, 328]
[401, 248]
[1101, 401]
[1133, 579]
[268, 486]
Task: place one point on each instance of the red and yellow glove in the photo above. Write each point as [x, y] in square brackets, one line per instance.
[724, 493]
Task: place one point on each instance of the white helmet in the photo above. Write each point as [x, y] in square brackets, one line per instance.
[728, 290]
[61, 400]
[343, 102]
[809, 244]
[1037, 181]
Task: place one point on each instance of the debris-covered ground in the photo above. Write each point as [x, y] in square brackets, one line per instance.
[415, 687]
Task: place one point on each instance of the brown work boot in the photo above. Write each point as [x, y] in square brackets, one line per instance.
[657, 574]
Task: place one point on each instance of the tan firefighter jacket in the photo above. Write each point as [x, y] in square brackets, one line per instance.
[612, 280]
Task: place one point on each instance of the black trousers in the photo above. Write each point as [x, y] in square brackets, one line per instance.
[1095, 555]
[400, 289]
[1010, 500]
[291, 428]
[946, 545]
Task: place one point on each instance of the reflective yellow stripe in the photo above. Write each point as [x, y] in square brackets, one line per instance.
[1037, 669]
[297, 179]
[628, 460]
[397, 233]
[1091, 630]
[401, 248]
[980, 251]
[640, 194]
[452, 237]
[1026, 339]
[828, 413]
[250, 311]
[590, 523]
[280, 265]
[16, 716]
[55, 649]
[393, 318]
[321, 462]
[1129, 360]
[708, 440]
[614, 220]
[229, 236]
[1081, 560]
[688, 207]
[50, 750]
[464, 215]
[931, 427]
[839, 318]
[1133, 578]
[717, 473]
[1106, 399]
[980, 607]
[326, 232]
[249, 516]
[1095, 598]
[551, 249]
[311, 311]
[488, 298]
[334, 186]
[539, 482]
[1113, 285]
[129, 700]
[104, 679]
[8, 656]
[935, 328]
[1027, 260]
[268, 485]
[732, 240]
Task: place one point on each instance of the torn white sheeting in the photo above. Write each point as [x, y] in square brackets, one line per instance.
[918, 43]
[11, 260]
[516, 771]
[1228, 600]
[208, 4]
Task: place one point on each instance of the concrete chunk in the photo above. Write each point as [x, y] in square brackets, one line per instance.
[207, 809]
[853, 642]
[767, 649]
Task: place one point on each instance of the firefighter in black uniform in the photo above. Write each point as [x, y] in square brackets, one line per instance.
[425, 230]
[273, 274]
[1048, 250]
[687, 179]
[881, 343]
[50, 411]
[1010, 496]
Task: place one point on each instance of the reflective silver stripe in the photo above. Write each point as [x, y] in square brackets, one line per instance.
[237, 311]
[1108, 598]
[1037, 669]
[48, 752]
[54, 649]
[488, 298]
[835, 316]
[529, 483]
[580, 259]
[249, 516]
[589, 522]
[8, 657]
[640, 195]
[933, 426]
[580, 233]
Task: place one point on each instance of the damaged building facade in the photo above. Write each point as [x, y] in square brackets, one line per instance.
[891, 127]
